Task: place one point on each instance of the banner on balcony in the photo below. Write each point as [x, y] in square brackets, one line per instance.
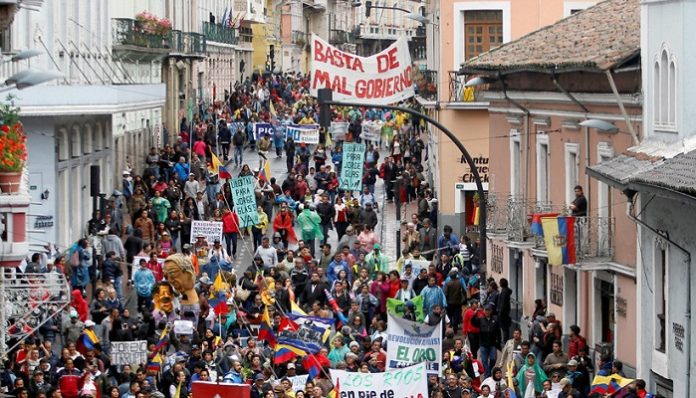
[384, 78]
[559, 239]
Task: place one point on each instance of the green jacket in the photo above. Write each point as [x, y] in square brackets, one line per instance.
[309, 222]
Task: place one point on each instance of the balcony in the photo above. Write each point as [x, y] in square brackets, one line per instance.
[426, 84]
[299, 38]
[384, 32]
[496, 214]
[338, 37]
[219, 33]
[459, 93]
[315, 5]
[594, 237]
[129, 36]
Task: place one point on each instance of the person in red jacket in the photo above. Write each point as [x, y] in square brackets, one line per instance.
[577, 342]
[472, 332]
[230, 229]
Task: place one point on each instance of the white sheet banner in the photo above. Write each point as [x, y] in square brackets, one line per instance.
[408, 382]
[409, 343]
[210, 229]
[384, 78]
[338, 130]
[371, 130]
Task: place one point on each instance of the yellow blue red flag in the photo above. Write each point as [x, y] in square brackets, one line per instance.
[559, 238]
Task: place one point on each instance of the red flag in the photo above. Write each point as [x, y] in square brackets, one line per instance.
[287, 324]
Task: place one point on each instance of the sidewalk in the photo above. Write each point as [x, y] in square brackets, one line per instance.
[389, 225]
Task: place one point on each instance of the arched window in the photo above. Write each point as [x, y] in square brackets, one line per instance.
[665, 91]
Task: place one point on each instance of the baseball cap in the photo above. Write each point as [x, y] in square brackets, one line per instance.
[291, 366]
[89, 323]
[564, 382]
[573, 362]
[259, 377]
[73, 313]
[376, 246]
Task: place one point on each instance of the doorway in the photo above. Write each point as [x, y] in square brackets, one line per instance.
[516, 284]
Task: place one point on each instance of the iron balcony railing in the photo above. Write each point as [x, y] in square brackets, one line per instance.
[594, 237]
[337, 37]
[219, 33]
[129, 32]
[426, 83]
[299, 37]
[496, 213]
[458, 92]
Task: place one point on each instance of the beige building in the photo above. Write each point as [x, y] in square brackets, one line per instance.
[542, 89]
[457, 31]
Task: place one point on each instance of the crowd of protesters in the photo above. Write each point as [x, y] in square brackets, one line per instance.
[301, 213]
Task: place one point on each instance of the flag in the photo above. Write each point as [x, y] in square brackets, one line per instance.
[224, 173]
[219, 303]
[295, 309]
[288, 325]
[225, 15]
[272, 108]
[177, 394]
[611, 384]
[88, 339]
[396, 307]
[477, 215]
[215, 164]
[335, 393]
[559, 238]
[537, 229]
[163, 339]
[284, 353]
[265, 173]
[219, 285]
[312, 366]
[155, 363]
[334, 306]
[315, 323]
[266, 334]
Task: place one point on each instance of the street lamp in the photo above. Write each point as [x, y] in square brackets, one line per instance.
[325, 99]
[29, 78]
[26, 54]
[599, 124]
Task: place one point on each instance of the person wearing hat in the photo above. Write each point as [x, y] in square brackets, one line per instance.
[376, 261]
[191, 186]
[260, 387]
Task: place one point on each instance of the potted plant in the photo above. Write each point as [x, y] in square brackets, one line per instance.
[13, 147]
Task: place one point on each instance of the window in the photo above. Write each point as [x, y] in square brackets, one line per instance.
[665, 91]
[483, 31]
[515, 162]
[542, 168]
[660, 284]
[571, 169]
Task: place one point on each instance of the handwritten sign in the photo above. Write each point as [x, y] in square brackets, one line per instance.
[128, 352]
[352, 167]
[298, 382]
[261, 129]
[410, 382]
[210, 229]
[182, 326]
[307, 133]
[244, 200]
[338, 130]
[384, 78]
[371, 130]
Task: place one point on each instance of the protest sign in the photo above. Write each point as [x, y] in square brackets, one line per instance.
[353, 166]
[298, 382]
[182, 326]
[263, 128]
[397, 307]
[417, 265]
[371, 130]
[410, 382]
[384, 78]
[244, 200]
[307, 133]
[210, 229]
[338, 130]
[409, 343]
[128, 352]
[209, 389]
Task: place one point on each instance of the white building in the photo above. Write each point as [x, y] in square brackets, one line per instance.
[658, 177]
[101, 111]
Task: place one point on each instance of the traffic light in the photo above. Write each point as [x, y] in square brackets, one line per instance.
[323, 95]
[368, 7]
[271, 55]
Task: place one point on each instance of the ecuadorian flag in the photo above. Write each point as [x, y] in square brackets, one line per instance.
[611, 384]
[559, 238]
[537, 229]
[284, 353]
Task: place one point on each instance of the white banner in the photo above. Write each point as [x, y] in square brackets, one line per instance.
[210, 229]
[384, 78]
[417, 265]
[408, 382]
[128, 352]
[182, 326]
[298, 382]
[338, 130]
[307, 133]
[409, 343]
[371, 130]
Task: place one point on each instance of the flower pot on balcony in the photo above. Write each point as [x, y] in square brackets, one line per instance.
[9, 181]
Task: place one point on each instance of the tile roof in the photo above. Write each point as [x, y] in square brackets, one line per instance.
[622, 168]
[677, 173]
[596, 39]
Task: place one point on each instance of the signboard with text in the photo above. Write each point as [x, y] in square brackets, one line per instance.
[128, 352]
[244, 200]
[338, 130]
[210, 229]
[381, 79]
[410, 382]
[261, 129]
[371, 130]
[409, 343]
[307, 133]
[352, 166]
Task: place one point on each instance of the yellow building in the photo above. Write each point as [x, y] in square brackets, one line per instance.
[266, 35]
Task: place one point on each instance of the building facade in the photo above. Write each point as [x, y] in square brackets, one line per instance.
[459, 30]
[541, 89]
[71, 122]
